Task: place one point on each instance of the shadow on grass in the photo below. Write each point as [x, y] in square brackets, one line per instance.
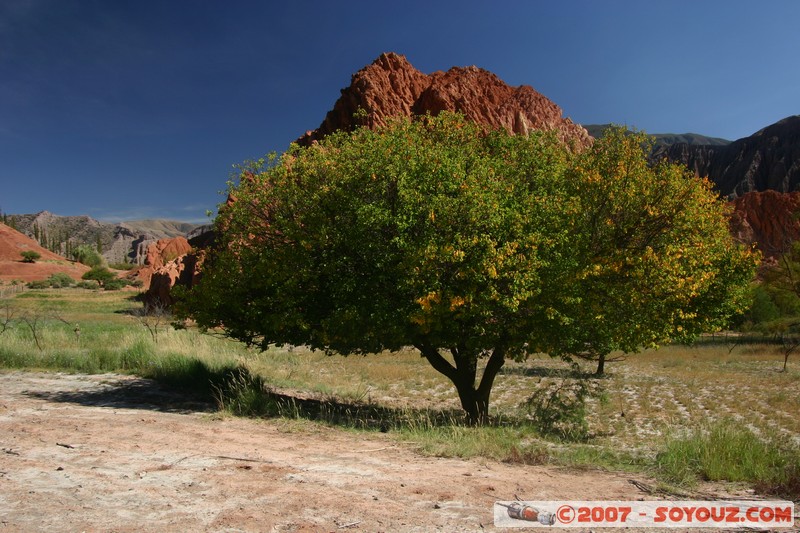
[182, 385]
[544, 372]
[243, 394]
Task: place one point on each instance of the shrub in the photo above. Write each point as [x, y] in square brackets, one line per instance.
[559, 409]
[60, 280]
[115, 284]
[29, 256]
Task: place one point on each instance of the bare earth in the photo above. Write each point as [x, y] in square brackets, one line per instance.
[118, 453]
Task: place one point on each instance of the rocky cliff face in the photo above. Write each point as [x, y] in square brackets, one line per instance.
[767, 219]
[160, 253]
[391, 86]
[767, 160]
[184, 271]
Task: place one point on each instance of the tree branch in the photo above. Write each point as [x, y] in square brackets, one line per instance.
[493, 366]
[436, 360]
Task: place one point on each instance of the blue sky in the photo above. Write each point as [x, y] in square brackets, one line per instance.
[125, 109]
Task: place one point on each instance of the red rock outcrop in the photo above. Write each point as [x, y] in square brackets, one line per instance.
[391, 86]
[769, 219]
[184, 270]
[158, 254]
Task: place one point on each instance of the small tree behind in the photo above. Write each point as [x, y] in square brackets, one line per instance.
[653, 257]
[775, 309]
[101, 275]
[87, 255]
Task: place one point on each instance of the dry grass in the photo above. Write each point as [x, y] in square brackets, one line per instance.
[647, 401]
[646, 398]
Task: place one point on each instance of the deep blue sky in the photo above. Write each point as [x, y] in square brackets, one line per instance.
[124, 109]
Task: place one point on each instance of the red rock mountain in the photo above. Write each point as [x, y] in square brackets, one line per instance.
[391, 86]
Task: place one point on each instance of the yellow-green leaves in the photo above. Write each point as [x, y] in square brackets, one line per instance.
[434, 232]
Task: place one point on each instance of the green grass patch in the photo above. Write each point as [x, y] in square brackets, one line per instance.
[729, 451]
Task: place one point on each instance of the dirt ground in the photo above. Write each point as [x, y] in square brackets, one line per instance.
[118, 453]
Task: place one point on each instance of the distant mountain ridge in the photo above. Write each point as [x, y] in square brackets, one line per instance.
[767, 160]
[125, 242]
[664, 139]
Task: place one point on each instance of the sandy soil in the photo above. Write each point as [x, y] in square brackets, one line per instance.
[117, 453]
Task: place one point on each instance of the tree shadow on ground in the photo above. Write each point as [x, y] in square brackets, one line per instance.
[134, 393]
[545, 372]
[194, 387]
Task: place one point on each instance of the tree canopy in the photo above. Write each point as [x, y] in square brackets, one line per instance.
[468, 244]
[30, 256]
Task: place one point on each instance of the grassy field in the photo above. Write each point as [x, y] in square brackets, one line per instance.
[682, 414]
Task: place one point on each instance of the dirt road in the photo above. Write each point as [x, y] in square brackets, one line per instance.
[117, 453]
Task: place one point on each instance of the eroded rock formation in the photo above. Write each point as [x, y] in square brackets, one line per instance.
[184, 270]
[391, 86]
[767, 219]
[767, 160]
[158, 254]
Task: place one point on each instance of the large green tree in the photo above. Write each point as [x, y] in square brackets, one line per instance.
[469, 245]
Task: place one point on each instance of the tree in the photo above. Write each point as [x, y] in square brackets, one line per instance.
[101, 275]
[775, 307]
[653, 257]
[30, 256]
[437, 234]
[88, 255]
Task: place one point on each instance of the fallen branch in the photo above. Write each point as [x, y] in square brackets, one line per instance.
[373, 450]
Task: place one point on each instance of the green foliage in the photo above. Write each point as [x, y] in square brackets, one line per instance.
[775, 307]
[103, 276]
[437, 234]
[763, 309]
[60, 280]
[91, 285]
[88, 255]
[778, 296]
[115, 284]
[652, 257]
[30, 256]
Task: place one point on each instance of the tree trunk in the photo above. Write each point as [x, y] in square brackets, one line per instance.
[474, 400]
[601, 365]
